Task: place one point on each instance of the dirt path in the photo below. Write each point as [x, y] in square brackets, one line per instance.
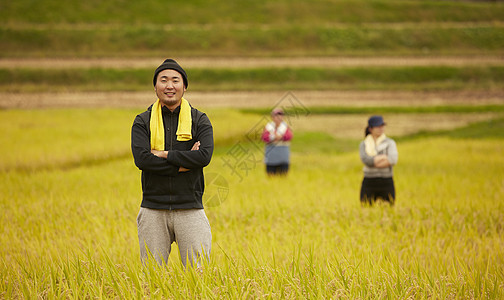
[251, 99]
[223, 62]
[207, 100]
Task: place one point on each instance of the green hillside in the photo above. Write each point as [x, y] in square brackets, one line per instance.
[263, 29]
[244, 28]
[260, 12]
[428, 78]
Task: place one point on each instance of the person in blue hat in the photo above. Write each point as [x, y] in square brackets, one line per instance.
[379, 154]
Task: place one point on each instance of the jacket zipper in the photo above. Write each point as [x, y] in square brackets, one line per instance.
[171, 148]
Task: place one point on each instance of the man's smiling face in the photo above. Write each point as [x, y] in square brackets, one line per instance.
[170, 88]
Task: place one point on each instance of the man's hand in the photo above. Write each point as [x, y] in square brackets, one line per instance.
[194, 147]
[160, 153]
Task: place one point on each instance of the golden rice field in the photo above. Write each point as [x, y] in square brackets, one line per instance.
[70, 194]
[73, 76]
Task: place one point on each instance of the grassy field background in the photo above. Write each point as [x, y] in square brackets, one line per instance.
[73, 75]
[244, 28]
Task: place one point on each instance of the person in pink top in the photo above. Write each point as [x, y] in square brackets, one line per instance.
[277, 136]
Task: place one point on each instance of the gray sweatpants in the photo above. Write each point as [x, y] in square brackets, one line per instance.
[159, 228]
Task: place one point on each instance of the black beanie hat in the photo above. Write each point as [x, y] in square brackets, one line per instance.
[172, 65]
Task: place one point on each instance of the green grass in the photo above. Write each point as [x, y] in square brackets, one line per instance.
[246, 12]
[480, 130]
[292, 40]
[420, 78]
[71, 233]
[384, 109]
[50, 28]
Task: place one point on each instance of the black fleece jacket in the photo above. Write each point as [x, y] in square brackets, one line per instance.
[163, 186]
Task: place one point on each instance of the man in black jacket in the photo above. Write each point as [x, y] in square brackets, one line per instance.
[171, 143]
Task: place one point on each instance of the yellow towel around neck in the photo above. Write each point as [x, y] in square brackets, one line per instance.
[184, 122]
[370, 145]
[157, 127]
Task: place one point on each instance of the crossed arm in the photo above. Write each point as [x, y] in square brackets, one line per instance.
[164, 154]
[381, 161]
[170, 163]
